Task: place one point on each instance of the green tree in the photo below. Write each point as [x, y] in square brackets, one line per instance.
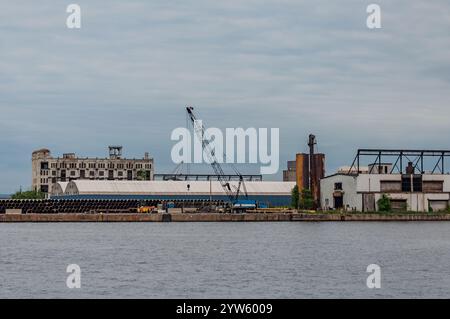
[142, 175]
[384, 203]
[295, 197]
[28, 195]
[306, 199]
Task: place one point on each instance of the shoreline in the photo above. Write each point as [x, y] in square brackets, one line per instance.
[216, 217]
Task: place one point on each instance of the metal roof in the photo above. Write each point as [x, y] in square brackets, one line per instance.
[59, 188]
[86, 187]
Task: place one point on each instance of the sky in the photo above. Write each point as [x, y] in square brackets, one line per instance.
[300, 66]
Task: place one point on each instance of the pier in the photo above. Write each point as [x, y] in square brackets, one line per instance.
[219, 217]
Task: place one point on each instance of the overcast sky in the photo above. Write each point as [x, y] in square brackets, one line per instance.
[302, 66]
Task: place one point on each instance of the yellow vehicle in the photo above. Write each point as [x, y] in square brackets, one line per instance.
[146, 209]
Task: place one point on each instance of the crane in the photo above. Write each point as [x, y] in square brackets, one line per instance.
[199, 130]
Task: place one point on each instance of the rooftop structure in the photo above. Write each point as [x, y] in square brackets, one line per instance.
[204, 177]
[419, 160]
[353, 170]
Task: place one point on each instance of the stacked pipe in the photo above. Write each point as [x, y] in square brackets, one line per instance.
[54, 206]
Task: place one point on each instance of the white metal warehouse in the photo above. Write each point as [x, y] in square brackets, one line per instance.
[273, 193]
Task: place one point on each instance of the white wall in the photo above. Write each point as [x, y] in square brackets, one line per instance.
[370, 183]
[354, 187]
[350, 197]
[416, 201]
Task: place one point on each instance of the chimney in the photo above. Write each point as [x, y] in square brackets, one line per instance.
[410, 168]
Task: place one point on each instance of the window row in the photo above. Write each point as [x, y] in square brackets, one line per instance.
[44, 166]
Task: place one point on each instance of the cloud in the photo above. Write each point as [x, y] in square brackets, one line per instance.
[302, 66]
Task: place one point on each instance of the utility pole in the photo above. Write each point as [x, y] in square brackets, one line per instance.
[210, 194]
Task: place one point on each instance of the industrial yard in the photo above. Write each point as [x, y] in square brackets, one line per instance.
[380, 184]
[351, 194]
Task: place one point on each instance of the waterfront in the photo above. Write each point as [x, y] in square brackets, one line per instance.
[225, 260]
[274, 216]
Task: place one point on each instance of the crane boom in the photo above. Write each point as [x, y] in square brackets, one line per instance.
[199, 130]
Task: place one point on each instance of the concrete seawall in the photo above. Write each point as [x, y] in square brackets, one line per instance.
[44, 218]
[249, 217]
[369, 217]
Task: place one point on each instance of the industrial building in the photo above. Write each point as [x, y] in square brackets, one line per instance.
[290, 174]
[270, 193]
[307, 170]
[410, 187]
[48, 170]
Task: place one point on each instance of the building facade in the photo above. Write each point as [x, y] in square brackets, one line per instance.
[48, 170]
[407, 192]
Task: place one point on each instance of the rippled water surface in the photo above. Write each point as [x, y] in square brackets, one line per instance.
[225, 260]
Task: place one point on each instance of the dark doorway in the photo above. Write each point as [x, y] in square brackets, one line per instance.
[338, 202]
[129, 175]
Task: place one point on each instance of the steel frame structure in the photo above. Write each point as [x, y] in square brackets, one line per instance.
[206, 177]
[416, 157]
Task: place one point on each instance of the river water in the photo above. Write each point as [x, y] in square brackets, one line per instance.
[225, 260]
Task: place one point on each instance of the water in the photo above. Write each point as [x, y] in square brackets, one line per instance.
[225, 260]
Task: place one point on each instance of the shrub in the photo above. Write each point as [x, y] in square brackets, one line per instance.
[28, 195]
[295, 197]
[306, 199]
[384, 203]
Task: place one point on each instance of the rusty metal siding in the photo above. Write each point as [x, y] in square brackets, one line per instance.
[302, 170]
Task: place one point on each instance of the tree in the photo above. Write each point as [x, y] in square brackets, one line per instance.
[306, 199]
[295, 197]
[384, 203]
[141, 175]
[28, 195]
